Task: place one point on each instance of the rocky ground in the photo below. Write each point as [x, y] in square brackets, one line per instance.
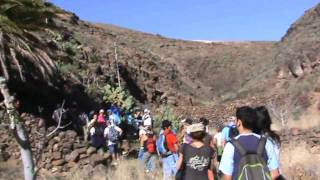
[65, 155]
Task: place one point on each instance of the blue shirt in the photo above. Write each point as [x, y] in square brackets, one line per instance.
[225, 132]
[228, 159]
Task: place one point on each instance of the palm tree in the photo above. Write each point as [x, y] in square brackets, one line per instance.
[17, 18]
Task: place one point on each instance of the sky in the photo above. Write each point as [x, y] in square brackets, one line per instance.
[217, 20]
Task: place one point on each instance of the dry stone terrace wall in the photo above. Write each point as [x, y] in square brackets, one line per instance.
[62, 152]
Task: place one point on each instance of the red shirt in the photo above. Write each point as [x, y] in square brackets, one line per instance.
[171, 140]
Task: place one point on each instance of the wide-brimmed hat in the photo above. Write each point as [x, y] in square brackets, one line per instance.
[195, 128]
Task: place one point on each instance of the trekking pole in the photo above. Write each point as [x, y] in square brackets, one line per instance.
[117, 64]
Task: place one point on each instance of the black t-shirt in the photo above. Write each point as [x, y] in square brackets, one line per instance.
[196, 161]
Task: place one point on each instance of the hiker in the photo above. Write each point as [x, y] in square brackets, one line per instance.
[167, 147]
[207, 140]
[248, 155]
[229, 131]
[138, 117]
[114, 117]
[195, 159]
[263, 127]
[59, 111]
[84, 121]
[142, 133]
[96, 132]
[217, 139]
[112, 133]
[101, 117]
[146, 118]
[183, 136]
[150, 151]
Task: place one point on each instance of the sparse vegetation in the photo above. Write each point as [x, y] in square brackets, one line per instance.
[119, 96]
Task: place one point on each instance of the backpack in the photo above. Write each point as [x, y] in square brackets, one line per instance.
[233, 131]
[161, 145]
[252, 165]
[151, 144]
[113, 134]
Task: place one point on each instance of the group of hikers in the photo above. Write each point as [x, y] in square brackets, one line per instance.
[244, 147]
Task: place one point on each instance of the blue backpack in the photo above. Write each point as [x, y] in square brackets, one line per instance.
[162, 144]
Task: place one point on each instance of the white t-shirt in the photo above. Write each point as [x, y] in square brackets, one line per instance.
[147, 121]
[142, 131]
[106, 132]
[218, 138]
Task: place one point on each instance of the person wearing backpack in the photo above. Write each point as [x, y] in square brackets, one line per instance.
[230, 131]
[150, 151]
[112, 133]
[263, 127]
[248, 156]
[167, 147]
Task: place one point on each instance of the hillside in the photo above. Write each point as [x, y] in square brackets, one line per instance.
[72, 59]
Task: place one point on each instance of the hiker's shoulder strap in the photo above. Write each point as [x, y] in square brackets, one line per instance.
[237, 145]
[261, 145]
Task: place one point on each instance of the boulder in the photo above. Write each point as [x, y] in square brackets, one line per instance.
[91, 150]
[67, 145]
[73, 157]
[82, 156]
[56, 169]
[66, 150]
[71, 134]
[72, 164]
[58, 162]
[82, 150]
[96, 159]
[55, 147]
[56, 155]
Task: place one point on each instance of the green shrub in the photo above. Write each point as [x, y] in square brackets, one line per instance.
[166, 113]
[118, 95]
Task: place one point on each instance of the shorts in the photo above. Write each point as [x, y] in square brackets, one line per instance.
[113, 149]
[169, 166]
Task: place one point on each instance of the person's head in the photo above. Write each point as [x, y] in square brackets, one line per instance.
[197, 131]
[263, 121]
[246, 117]
[146, 111]
[109, 112]
[263, 124]
[166, 124]
[204, 121]
[186, 122]
[101, 111]
[95, 116]
[231, 120]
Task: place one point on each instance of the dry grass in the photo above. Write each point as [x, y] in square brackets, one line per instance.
[298, 163]
[126, 170]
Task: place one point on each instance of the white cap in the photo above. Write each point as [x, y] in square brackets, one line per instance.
[101, 111]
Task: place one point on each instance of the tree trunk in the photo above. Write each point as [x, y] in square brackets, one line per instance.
[20, 134]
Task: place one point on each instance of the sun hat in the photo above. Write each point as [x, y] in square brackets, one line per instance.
[195, 128]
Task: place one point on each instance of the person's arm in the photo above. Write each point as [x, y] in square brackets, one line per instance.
[226, 164]
[106, 131]
[273, 162]
[119, 130]
[179, 162]
[275, 174]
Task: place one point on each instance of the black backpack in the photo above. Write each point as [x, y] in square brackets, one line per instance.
[252, 165]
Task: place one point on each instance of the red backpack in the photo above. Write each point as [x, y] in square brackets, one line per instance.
[151, 144]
